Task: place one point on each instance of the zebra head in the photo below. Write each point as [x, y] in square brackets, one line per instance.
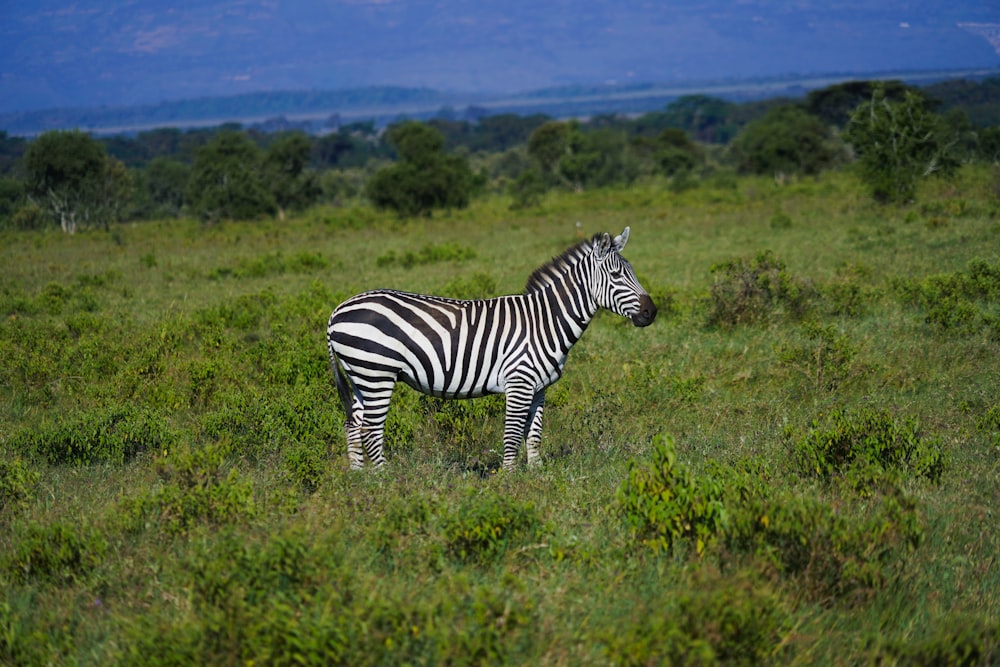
[614, 285]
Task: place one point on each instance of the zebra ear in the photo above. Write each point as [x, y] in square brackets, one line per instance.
[621, 240]
[603, 246]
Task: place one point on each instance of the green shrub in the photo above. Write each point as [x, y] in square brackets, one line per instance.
[306, 464]
[110, 435]
[730, 619]
[830, 552]
[196, 489]
[825, 360]
[17, 482]
[485, 525]
[429, 254]
[957, 301]
[748, 290]
[475, 286]
[898, 142]
[56, 552]
[957, 641]
[867, 445]
[663, 502]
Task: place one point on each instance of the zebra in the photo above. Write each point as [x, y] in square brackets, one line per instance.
[452, 348]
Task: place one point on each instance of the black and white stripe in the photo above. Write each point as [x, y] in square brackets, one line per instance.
[515, 345]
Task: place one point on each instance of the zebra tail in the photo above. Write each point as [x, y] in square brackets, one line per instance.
[343, 385]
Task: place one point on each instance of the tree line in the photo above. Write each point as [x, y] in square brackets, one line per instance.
[893, 134]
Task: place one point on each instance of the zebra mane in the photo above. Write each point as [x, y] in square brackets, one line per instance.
[557, 267]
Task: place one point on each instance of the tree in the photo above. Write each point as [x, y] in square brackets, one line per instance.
[226, 181]
[291, 184]
[897, 143]
[835, 104]
[786, 140]
[71, 178]
[165, 181]
[425, 178]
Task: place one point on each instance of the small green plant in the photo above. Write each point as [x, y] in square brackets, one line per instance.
[429, 254]
[868, 445]
[475, 286]
[825, 360]
[830, 552]
[110, 435]
[956, 302]
[729, 619]
[750, 289]
[17, 483]
[663, 502]
[54, 552]
[485, 525]
[196, 489]
[957, 641]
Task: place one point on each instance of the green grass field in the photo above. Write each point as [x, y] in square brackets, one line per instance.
[798, 463]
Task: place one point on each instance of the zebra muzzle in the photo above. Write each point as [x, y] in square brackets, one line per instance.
[646, 313]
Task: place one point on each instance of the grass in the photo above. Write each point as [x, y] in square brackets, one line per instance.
[174, 478]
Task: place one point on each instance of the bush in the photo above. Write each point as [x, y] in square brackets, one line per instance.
[898, 143]
[786, 140]
[747, 290]
[731, 620]
[54, 552]
[110, 435]
[429, 254]
[831, 553]
[425, 179]
[195, 489]
[826, 360]
[485, 525]
[958, 302]
[17, 483]
[868, 444]
[663, 502]
[957, 641]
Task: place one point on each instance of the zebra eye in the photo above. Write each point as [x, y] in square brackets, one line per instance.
[616, 273]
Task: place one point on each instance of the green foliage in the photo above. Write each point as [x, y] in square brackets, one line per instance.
[475, 286]
[429, 254]
[897, 144]
[958, 641]
[485, 525]
[227, 182]
[663, 502]
[866, 445]
[786, 140]
[748, 290]
[292, 185]
[831, 554]
[57, 552]
[731, 620]
[272, 264]
[115, 434]
[17, 483]
[827, 358]
[959, 301]
[196, 489]
[425, 179]
[71, 177]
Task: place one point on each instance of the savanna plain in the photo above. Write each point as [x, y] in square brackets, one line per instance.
[797, 463]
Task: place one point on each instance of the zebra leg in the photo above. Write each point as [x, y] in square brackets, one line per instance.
[354, 428]
[519, 401]
[535, 427]
[373, 426]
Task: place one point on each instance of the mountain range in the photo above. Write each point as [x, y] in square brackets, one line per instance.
[93, 53]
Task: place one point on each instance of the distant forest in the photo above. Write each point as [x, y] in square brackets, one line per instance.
[160, 172]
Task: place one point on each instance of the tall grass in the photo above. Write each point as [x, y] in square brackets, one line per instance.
[811, 479]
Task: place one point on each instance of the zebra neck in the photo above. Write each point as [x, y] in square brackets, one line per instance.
[572, 306]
